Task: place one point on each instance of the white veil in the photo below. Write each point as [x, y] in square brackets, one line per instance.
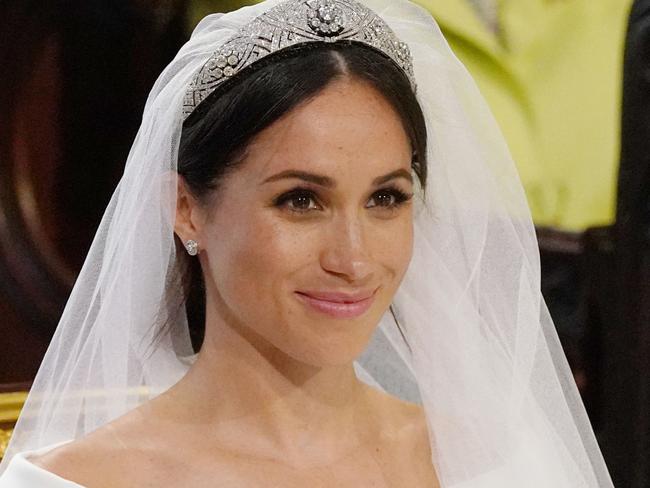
[484, 357]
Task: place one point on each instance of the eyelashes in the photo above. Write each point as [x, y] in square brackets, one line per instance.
[298, 200]
[391, 197]
[304, 200]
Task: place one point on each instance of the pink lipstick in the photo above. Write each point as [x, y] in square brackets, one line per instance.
[338, 305]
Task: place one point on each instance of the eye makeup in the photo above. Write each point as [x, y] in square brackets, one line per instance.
[303, 200]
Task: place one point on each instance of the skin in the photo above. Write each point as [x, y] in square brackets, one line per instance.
[272, 399]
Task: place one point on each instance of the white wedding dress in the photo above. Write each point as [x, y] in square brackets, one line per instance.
[22, 473]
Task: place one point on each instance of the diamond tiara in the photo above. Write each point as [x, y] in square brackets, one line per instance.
[296, 22]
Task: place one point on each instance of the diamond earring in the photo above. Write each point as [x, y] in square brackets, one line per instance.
[192, 247]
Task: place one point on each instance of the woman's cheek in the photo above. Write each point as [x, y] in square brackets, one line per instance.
[392, 243]
[265, 259]
[405, 252]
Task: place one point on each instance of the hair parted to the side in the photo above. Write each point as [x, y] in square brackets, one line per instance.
[216, 135]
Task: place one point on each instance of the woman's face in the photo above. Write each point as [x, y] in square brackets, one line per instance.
[308, 239]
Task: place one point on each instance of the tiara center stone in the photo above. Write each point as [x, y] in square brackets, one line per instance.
[325, 18]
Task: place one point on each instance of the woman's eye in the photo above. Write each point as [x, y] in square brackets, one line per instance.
[384, 200]
[302, 202]
[390, 198]
[298, 201]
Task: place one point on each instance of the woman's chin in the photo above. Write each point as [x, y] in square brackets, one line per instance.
[338, 347]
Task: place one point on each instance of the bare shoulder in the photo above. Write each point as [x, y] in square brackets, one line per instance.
[414, 431]
[87, 461]
[402, 415]
[91, 460]
[403, 422]
[409, 434]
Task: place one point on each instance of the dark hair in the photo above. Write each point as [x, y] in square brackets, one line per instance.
[216, 135]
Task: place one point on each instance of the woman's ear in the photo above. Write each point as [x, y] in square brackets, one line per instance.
[188, 224]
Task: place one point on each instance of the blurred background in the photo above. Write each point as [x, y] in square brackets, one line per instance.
[567, 80]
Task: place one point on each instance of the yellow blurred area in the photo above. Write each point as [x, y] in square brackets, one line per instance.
[10, 406]
[553, 78]
[552, 75]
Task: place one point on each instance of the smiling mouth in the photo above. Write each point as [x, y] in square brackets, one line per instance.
[337, 305]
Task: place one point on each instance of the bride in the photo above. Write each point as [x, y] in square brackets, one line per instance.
[324, 180]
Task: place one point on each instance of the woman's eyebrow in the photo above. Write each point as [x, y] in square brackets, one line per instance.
[328, 182]
[320, 180]
[398, 173]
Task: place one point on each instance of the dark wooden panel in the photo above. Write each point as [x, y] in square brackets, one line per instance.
[75, 78]
[626, 346]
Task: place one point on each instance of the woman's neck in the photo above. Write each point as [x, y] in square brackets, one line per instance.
[252, 396]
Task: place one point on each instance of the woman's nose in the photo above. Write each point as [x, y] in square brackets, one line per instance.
[345, 252]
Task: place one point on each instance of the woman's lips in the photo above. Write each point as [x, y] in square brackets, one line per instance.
[338, 305]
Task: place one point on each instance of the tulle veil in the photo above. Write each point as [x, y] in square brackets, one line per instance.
[483, 357]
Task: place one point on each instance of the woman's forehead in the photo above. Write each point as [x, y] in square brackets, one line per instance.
[348, 125]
